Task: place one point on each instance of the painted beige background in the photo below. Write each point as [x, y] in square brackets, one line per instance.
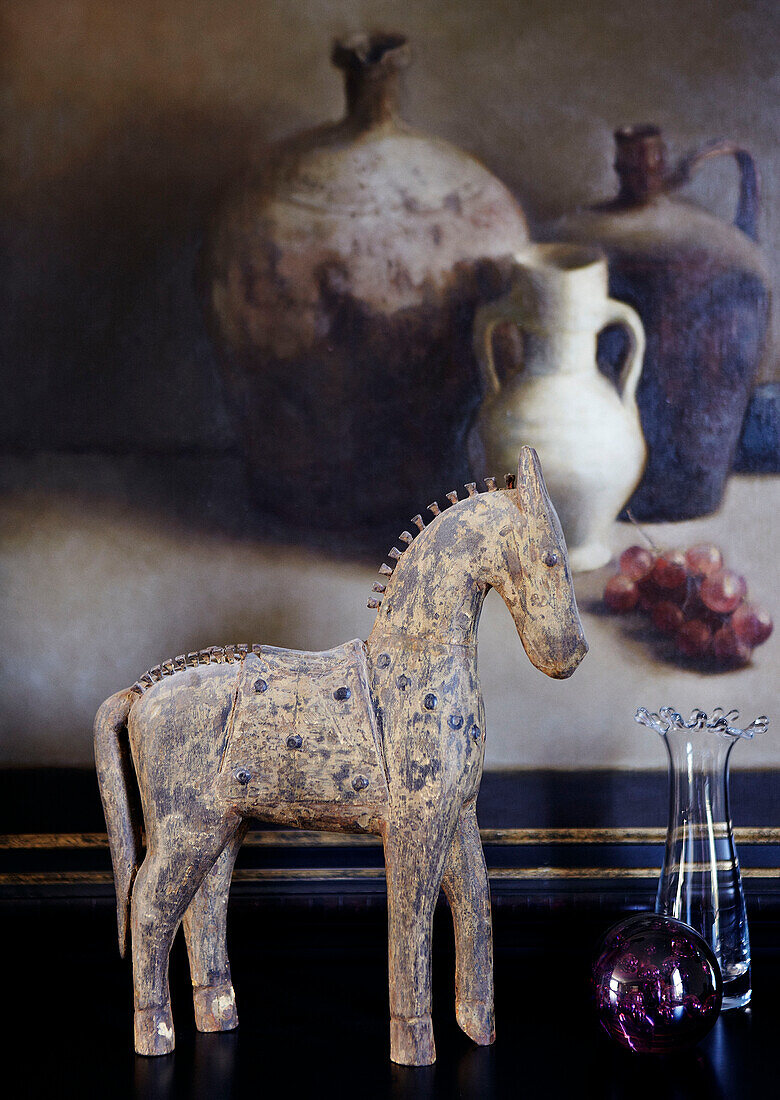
[95, 593]
[128, 535]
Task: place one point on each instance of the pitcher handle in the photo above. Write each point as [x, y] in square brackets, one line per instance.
[485, 320]
[746, 217]
[618, 313]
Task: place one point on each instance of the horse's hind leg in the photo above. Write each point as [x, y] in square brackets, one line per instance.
[466, 885]
[204, 930]
[169, 876]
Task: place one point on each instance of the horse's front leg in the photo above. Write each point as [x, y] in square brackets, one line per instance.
[466, 885]
[415, 854]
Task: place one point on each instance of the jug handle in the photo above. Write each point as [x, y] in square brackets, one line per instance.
[618, 313]
[746, 217]
[485, 320]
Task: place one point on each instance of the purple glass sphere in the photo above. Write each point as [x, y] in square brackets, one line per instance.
[658, 985]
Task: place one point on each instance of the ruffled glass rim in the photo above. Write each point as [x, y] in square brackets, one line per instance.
[720, 721]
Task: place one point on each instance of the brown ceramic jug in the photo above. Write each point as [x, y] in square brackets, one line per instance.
[700, 287]
[342, 281]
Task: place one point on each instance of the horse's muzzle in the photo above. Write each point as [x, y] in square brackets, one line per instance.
[566, 662]
[579, 651]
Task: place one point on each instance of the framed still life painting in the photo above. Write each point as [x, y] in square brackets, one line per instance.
[286, 287]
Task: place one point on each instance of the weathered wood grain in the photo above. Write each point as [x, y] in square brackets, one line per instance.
[384, 737]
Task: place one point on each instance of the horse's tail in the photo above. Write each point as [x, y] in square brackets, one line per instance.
[116, 778]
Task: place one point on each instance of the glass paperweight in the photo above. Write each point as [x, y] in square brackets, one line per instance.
[657, 985]
[700, 882]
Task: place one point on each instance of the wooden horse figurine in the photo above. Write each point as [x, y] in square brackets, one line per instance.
[385, 737]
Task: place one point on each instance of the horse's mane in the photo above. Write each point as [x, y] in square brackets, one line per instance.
[407, 538]
[229, 654]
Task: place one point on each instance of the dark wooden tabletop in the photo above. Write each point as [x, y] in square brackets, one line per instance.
[311, 985]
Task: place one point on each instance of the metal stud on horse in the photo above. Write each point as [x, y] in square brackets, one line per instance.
[385, 737]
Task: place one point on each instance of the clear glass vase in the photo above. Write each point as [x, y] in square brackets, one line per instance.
[700, 881]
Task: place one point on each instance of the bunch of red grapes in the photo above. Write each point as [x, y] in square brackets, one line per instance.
[691, 597]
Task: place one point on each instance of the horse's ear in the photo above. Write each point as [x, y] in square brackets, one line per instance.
[531, 488]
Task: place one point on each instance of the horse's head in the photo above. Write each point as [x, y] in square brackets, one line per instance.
[537, 585]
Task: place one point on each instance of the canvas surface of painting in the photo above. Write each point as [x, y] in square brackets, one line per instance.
[288, 286]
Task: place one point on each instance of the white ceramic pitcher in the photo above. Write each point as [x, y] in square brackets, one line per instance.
[586, 431]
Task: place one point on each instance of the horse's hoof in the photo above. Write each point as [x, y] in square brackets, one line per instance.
[215, 1007]
[411, 1041]
[153, 1031]
[477, 1019]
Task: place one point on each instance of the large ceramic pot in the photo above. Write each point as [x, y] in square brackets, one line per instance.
[585, 430]
[700, 286]
[342, 280]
